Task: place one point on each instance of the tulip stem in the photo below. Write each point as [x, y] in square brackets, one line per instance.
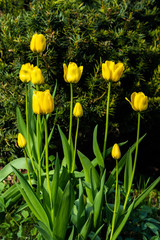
[38, 150]
[135, 161]
[46, 154]
[107, 119]
[27, 126]
[37, 60]
[115, 201]
[75, 146]
[71, 110]
[29, 178]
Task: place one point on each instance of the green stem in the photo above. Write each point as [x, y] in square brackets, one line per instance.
[115, 201]
[29, 178]
[46, 155]
[71, 110]
[27, 126]
[135, 161]
[38, 150]
[107, 119]
[75, 146]
[37, 60]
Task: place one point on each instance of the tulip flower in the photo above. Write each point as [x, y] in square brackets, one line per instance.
[25, 72]
[48, 102]
[36, 76]
[21, 141]
[139, 101]
[38, 43]
[116, 153]
[78, 110]
[73, 73]
[42, 102]
[111, 71]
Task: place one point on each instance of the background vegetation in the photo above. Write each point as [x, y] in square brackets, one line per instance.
[88, 33]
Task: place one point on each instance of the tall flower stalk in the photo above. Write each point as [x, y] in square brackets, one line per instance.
[71, 111]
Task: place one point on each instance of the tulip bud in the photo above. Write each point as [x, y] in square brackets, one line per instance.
[36, 76]
[37, 100]
[73, 73]
[25, 72]
[78, 110]
[139, 101]
[48, 102]
[111, 71]
[116, 153]
[21, 141]
[38, 43]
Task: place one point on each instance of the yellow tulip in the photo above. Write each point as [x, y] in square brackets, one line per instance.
[37, 101]
[21, 141]
[139, 101]
[116, 153]
[111, 71]
[36, 76]
[78, 110]
[25, 72]
[73, 73]
[38, 43]
[48, 102]
[42, 102]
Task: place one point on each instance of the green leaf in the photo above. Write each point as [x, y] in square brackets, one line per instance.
[142, 196]
[31, 199]
[66, 149]
[72, 234]
[21, 123]
[46, 233]
[81, 208]
[88, 168]
[63, 213]
[87, 226]
[122, 221]
[97, 206]
[19, 163]
[96, 233]
[96, 149]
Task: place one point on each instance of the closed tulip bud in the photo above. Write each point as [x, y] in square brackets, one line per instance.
[73, 73]
[36, 76]
[139, 101]
[21, 141]
[78, 110]
[25, 72]
[37, 101]
[48, 102]
[111, 71]
[116, 153]
[38, 43]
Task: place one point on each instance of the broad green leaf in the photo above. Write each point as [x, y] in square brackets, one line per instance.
[19, 163]
[46, 233]
[121, 164]
[96, 149]
[87, 166]
[87, 226]
[63, 213]
[97, 206]
[81, 208]
[142, 196]
[96, 233]
[122, 221]
[72, 234]
[21, 123]
[32, 197]
[66, 149]
[128, 171]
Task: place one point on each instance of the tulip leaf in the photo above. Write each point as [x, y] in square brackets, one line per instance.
[19, 163]
[86, 228]
[66, 149]
[81, 208]
[87, 166]
[97, 206]
[96, 149]
[128, 171]
[44, 230]
[63, 212]
[72, 234]
[31, 199]
[21, 123]
[142, 196]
